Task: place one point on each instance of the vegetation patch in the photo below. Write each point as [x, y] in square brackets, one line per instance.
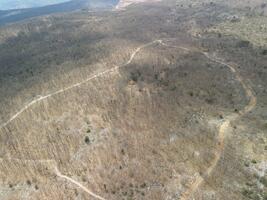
[252, 29]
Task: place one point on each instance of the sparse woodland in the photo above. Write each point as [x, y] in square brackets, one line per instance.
[144, 130]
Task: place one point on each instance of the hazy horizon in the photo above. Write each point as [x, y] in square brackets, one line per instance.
[19, 4]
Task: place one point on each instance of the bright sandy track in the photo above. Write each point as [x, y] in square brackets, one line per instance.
[222, 128]
[78, 184]
[41, 98]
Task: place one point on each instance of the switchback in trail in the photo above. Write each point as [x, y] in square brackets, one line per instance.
[223, 128]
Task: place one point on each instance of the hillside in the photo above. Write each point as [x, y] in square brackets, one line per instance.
[157, 101]
[21, 4]
[10, 16]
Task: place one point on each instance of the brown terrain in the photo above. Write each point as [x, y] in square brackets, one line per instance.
[157, 101]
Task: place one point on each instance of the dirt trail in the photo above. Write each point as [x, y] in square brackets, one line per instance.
[41, 98]
[222, 129]
[58, 173]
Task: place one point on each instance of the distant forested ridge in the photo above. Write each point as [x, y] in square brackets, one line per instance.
[9, 16]
[21, 4]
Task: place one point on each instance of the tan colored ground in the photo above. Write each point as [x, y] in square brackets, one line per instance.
[251, 29]
[132, 106]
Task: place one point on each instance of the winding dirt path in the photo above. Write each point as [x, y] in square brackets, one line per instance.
[58, 173]
[41, 98]
[222, 129]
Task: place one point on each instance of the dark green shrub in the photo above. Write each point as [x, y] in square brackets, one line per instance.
[87, 140]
